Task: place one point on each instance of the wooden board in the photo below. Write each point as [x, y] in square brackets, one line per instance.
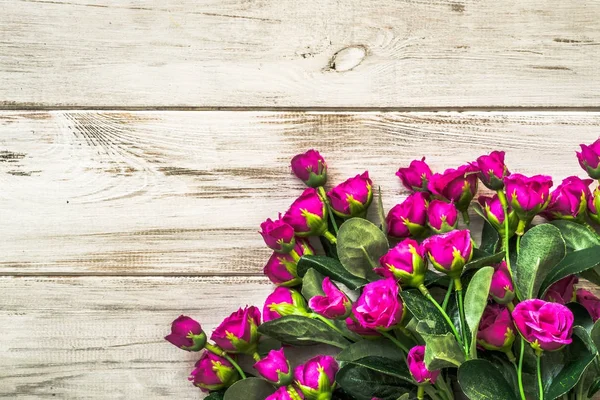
[164, 193]
[306, 53]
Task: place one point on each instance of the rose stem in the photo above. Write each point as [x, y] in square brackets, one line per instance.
[329, 236]
[466, 219]
[447, 297]
[461, 310]
[504, 203]
[329, 323]
[256, 356]
[421, 392]
[520, 370]
[428, 296]
[394, 340]
[325, 199]
[218, 351]
[539, 374]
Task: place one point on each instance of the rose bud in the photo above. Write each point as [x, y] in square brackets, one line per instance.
[187, 334]
[379, 306]
[284, 301]
[569, 200]
[285, 393]
[456, 185]
[308, 214]
[404, 262]
[441, 216]
[353, 197]
[589, 159]
[492, 170]
[494, 213]
[415, 176]
[594, 206]
[590, 302]
[238, 333]
[496, 329]
[562, 291]
[416, 364]
[355, 327]
[409, 217]
[546, 326]
[502, 290]
[278, 235]
[316, 377]
[527, 196]
[449, 252]
[334, 305]
[275, 368]
[213, 373]
[281, 268]
[310, 168]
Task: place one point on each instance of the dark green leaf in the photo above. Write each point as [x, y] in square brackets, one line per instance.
[483, 259]
[332, 268]
[249, 389]
[218, 395]
[475, 301]
[582, 316]
[573, 263]
[441, 351]
[386, 366]
[576, 236]
[480, 380]
[595, 334]
[423, 310]
[381, 212]
[368, 347]
[435, 279]
[312, 284]
[329, 248]
[594, 388]
[568, 377]
[360, 244]
[365, 383]
[592, 275]
[489, 238]
[302, 331]
[542, 247]
[267, 344]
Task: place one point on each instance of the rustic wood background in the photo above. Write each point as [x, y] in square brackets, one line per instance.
[142, 143]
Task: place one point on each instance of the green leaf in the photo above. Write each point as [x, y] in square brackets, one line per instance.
[595, 334]
[568, 377]
[218, 395]
[475, 301]
[302, 331]
[249, 389]
[332, 268]
[386, 366]
[381, 212]
[364, 383]
[592, 275]
[360, 244]
[441, 351]
[576, 236]
[423, 310]
[542, 247]
[267, 344]
[480, 380]
[368, 347]
[582, 316]
[489, 238]
[435, 279]
[573, 263]
[312, 284]
[483, 259]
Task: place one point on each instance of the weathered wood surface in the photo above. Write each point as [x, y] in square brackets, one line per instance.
[164, 193]
[309, 53]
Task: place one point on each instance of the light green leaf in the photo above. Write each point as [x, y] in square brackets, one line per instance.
[371, 347]
[576, 236]
[332, 268]
[386, 366]
[423, 310]
[302, 331]
[480, 380]
[360, 244]
[475, 302]
[441, 351]
[312, 284]
[249, 389]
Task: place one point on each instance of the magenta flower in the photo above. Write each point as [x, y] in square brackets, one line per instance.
[546, 326]
[589, 159]
[456, 185]
[353, 197]
[496, 329]
[238, 333]
[379, 306]
[594, 206]
[334, 305]
[308, 214]
[283, 393]
[213, 373]
[310, 168]
[187, 334]
[278, 235]
[528, 196]
[449, 252]
[502, 289]
[494, 213]
[590, 302]
[441, 216]
[404, 262]
[281, 268]
[416, 364]
[355, 327]
[316, 377]
[562, 291]
[492, 170]
[569, 200]
[283, 301]
[415, 176]
[409, 217]
[275, 368]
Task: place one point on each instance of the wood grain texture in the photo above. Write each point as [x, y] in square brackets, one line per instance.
[183, 193]
[306, 53]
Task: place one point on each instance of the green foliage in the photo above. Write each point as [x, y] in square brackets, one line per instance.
[249, 389]
[365, 383]
[302, 331]
[481, 380]
[360, 244]
[475, 302]
[332, 268]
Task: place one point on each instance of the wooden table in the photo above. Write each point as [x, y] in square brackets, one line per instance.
[143, 142]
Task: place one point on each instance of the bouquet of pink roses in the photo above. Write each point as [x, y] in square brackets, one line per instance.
[500, 318]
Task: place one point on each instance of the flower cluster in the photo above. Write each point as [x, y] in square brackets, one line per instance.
[437, 299]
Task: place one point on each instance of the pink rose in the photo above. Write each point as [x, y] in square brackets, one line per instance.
[594, 206]
[528, 196]
[416, 364]
[563, 291]
[449, 252]
[353, 197]
[415, 176]
[310, 168]
[496, 329]
[334, 305]
[355, 327]
[502, 289]
[283, 301]
[379, 306]
[441, 216]
[492, 208]
[547, 326]
[404, 262]
[238, 333]
[589, 159]
[590, 302]
[308, 214]
[409, 217]
[456, 185]
[492, 170]
[281, 268]
[316, 376]
[187, 334]
[569, 200]
[283, 393]
[213, 373]
[275, 368]
[278, 235]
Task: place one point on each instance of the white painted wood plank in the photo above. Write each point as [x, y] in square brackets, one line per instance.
[170, 193]
[305, 53]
